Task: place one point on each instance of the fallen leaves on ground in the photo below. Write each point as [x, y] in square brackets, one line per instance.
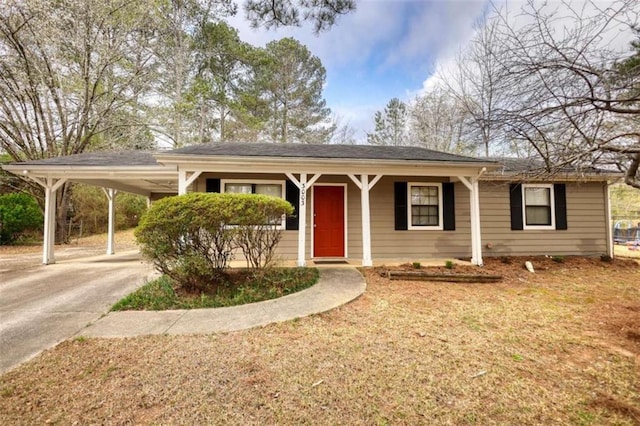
[556, 347]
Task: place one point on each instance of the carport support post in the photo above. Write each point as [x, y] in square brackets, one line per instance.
[50, 186]
[111, 196]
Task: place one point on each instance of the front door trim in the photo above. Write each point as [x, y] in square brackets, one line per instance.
[313, 228]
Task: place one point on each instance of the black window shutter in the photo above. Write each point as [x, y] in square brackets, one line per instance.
[213, 185]
[515, 192]
[400, 203]
[560, 200]
[448, 207]
[293, 196]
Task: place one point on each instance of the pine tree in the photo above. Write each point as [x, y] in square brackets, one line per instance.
[293, 80]
[391, 125]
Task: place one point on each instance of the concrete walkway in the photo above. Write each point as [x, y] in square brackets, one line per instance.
[337, 286]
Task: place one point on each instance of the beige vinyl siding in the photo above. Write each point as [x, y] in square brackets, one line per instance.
[387, 243]
[586, 233]
[585, 215]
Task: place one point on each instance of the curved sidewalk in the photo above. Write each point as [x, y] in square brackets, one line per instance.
[335, 287]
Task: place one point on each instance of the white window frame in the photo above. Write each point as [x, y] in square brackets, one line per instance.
[283, 195]
[552, 205]
[439, 227]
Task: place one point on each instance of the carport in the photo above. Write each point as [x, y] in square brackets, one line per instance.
[136, 172]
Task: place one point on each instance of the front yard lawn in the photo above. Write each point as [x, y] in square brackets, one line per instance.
[560, 346]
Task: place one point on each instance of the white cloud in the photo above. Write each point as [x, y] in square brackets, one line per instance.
[617, 37]
[437, 29]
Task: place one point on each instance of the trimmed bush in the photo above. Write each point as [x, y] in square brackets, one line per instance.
[19, 213]
[191, 238]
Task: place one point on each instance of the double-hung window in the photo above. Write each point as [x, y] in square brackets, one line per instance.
[538, 202]
[272, 188]
[425, 206]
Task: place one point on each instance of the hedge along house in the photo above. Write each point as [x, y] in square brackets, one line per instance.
[366, 203]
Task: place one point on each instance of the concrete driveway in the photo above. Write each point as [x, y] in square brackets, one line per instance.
[41, 306]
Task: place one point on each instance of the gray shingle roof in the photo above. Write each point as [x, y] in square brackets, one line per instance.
[366, 152]
[101, 158]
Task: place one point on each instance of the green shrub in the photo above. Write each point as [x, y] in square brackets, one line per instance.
[449, 264]
[191, 238]
[19, 213]
[416, 265]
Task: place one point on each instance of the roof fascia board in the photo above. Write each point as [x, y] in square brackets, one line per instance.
[96, 173]
[207, 159]
[20, 167]
[342, 170]
[325, 166]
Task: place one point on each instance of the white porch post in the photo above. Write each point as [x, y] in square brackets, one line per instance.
[111, 196]
[184, 180]
[474, 204]
[365, 186]
[303, 185]
[477, 229]
[366, 221]
[607, 212]
[302, 219]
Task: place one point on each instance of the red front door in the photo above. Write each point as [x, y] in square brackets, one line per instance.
[328, 221]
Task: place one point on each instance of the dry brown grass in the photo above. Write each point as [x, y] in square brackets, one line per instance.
[557, 347]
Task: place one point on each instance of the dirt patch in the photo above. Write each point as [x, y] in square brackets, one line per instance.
[551, 347]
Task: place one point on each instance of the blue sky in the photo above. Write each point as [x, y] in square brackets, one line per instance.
[386, 49]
